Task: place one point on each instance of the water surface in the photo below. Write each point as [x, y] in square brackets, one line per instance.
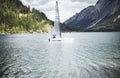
[90, 55]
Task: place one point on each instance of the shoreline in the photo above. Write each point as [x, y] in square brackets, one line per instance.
[62, 32]
[24, 33]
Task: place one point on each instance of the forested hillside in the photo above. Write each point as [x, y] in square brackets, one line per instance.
[17, 18]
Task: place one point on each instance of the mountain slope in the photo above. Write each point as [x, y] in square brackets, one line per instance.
[111, 23]
[93, 15]
[17, 18]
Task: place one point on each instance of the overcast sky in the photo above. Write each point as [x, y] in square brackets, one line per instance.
[67, 8]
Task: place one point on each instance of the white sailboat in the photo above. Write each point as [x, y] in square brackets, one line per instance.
[56, 35]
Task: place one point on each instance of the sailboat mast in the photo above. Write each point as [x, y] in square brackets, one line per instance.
[57, 21]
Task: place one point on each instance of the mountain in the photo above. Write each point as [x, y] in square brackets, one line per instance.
[104, 16]
[18, 18]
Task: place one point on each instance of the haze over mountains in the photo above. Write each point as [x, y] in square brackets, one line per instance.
[104, 16]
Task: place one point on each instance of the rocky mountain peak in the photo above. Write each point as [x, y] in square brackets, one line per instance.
[93, 14]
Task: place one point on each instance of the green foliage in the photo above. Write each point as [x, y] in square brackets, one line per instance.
[17, 18]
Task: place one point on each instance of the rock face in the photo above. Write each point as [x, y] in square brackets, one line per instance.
[92, 15]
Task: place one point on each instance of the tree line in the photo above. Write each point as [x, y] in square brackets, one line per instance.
[17, 18]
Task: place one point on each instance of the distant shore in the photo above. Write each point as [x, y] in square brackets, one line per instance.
[26, 33]
[62, 32]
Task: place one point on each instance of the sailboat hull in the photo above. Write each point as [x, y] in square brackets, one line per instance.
[60, 39]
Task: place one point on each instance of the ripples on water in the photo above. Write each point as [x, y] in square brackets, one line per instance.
[91, 55]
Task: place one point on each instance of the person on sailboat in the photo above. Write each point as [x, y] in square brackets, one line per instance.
[54, 36]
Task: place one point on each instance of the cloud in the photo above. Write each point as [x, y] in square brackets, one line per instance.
[67, 8]
[88, 1]
[39, 2]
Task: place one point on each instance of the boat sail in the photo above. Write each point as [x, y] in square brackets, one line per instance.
[56, 35]
[56, 29]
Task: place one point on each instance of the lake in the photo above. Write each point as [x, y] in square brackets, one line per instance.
[90, 55]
